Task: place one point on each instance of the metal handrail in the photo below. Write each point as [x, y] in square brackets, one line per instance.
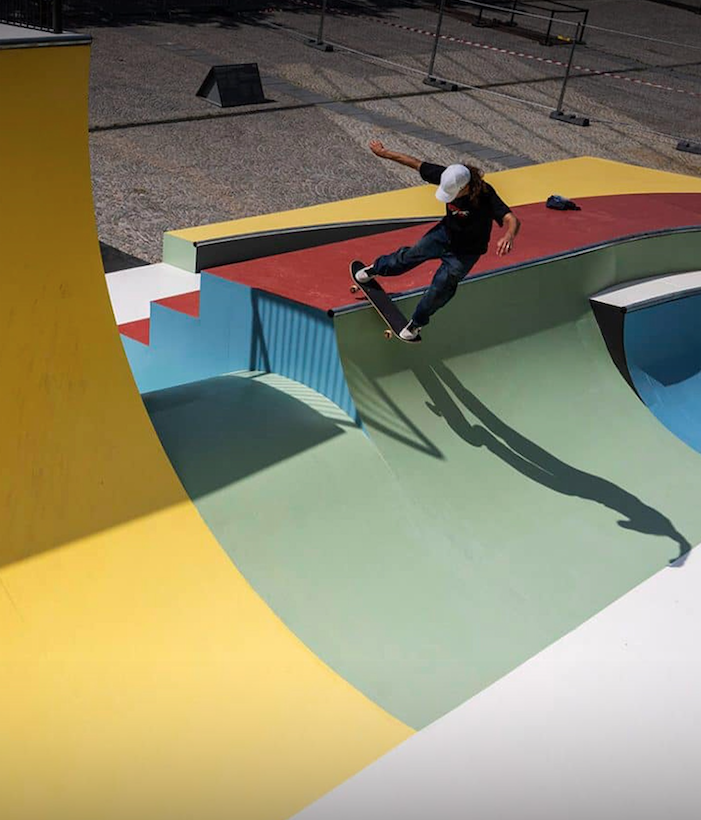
[517, 8]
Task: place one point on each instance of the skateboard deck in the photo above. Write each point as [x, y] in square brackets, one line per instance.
[383, 304]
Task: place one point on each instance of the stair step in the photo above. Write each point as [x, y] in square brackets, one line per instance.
[188, 303]
[138, 330]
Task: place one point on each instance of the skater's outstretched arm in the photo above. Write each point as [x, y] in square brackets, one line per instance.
[379, 150]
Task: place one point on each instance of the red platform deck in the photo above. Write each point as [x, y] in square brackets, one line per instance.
[319, 276]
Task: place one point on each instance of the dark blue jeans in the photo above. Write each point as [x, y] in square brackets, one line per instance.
[435, 244]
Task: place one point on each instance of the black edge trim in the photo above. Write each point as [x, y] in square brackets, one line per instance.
[43, 41]
[611, 319]
[540, 261]
[211, 253]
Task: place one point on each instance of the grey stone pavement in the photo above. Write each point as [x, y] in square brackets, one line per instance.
[164, 159]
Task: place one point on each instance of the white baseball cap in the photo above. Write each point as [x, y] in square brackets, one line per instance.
[453, 180]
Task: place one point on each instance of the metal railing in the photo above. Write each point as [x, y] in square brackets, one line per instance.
[576, 38]
[44, 15]
[549, 9]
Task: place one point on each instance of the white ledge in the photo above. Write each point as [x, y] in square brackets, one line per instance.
[650, 291]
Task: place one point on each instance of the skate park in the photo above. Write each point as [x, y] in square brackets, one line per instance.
[256, 556]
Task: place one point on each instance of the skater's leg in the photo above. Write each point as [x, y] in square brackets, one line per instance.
[443, 287]
[432, 245]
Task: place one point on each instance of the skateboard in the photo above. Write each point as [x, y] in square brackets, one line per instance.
[383, 304]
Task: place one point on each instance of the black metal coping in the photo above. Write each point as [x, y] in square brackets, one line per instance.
[540, 260]
[211, 253]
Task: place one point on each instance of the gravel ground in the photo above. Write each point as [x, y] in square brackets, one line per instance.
[164, 159]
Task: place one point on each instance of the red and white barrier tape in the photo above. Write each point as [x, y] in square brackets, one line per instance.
[415, 30]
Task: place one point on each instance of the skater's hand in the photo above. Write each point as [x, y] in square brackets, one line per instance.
[504, 245]
[513, 226]
[378, 149]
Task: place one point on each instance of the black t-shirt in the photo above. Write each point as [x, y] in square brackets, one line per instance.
[469, 228]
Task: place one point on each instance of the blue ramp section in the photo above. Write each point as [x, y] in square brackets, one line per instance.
[663, 351]
[240, 328]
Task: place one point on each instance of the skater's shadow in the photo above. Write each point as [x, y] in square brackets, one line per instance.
[535, 463]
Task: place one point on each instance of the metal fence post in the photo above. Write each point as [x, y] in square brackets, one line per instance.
[550, 28]
[559, 114]
[441, 11]
[512, 21]
[57, 17]
[584, 25]
[319, 42]
[430, 79]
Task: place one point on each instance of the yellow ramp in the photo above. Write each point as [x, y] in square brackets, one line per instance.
[140, 676]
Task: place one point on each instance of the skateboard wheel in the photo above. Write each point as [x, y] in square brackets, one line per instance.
[354, 289]
[388, 334]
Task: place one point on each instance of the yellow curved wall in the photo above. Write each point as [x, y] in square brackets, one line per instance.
[140, 675]
[579, 177]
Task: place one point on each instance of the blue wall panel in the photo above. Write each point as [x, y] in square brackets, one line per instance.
[240, 328]
[663, 352]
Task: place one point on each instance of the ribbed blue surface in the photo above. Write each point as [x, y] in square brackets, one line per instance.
[663, 352]
[240, 328]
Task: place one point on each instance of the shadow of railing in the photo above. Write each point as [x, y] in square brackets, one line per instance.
[299, 342]
[222, 430]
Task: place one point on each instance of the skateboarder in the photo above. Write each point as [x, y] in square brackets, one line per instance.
[458, 240]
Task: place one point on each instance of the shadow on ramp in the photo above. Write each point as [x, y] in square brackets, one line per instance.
[384, 415]
[533, 461]
[222, 430]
